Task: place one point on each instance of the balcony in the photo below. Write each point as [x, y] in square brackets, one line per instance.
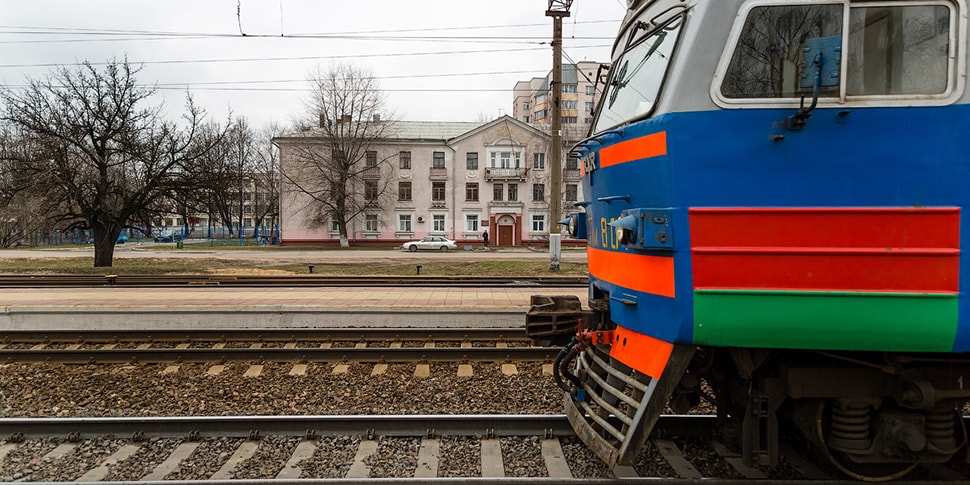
[439, 173]
[493, 174]
[372, 173]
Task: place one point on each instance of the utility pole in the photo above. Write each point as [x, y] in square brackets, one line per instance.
[557, 10]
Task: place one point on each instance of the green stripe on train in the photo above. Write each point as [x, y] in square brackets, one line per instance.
[826, 320]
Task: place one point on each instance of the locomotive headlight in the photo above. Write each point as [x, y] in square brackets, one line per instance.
[626, 229]
[575, 225]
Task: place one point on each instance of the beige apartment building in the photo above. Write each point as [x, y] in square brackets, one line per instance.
[532, 99]
[454, 179]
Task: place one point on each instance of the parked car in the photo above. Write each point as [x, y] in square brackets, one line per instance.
[168, 237]
[122, 238]
[434, 243]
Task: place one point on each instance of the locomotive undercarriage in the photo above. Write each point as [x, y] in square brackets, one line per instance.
[874, 416]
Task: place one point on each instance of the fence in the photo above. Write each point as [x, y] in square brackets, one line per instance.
[249, 236]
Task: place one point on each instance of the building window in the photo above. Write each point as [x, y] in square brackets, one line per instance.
[471, 192]
[438, 191]
[497, 192]
[248, 222]
[405, 158]
[540, 98]
[538, 161]
[513, 192]
[439, 160]
[404, 222]
[471, 161]
[370, 190]
[538, 192]
[589, 106]
[471, 222]
[438, 223]
[525, 119]
[569, 104]
[370, 159]
[570, 120]
[542, 114]
[572, 163]
[370, 223]
[334, 226]
[590, 90]
[404, 191]
[505, 159]
[571, 192]
[568, 88]
[525, 106]
[538, 223]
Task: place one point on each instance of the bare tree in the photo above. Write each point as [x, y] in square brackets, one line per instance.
[337, 165]
[104, 159]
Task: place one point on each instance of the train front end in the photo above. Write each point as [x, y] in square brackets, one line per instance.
[774, 194]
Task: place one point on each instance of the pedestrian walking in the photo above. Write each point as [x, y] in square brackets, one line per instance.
[485, 238]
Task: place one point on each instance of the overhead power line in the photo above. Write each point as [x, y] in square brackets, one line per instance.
[295, 58]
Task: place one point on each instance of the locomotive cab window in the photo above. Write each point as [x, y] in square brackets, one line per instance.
[893, 49]
[638, 73]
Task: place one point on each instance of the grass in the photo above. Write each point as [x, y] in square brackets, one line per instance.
[163, 266]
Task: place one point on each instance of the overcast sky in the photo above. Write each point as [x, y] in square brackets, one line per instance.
[469, 57]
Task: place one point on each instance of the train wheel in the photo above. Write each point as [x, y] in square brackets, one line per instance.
[869, 472]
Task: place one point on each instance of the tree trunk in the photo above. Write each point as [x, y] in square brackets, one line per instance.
[104, 247]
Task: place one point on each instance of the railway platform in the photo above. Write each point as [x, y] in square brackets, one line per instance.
[106, 308]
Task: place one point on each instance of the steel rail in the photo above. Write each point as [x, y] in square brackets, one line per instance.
[262, 335]
[489, 425]
[365, 354]
[304, 280]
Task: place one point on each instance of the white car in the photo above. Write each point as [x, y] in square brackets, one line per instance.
[434, 243]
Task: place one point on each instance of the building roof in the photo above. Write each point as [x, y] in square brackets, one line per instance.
[430, 130]
[408, 130]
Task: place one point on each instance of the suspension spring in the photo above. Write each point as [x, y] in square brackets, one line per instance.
[850, 427]
[940, 428]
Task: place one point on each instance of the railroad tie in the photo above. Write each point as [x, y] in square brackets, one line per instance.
[465, 370]
[555, 459]
[671, 453]
[183, 451]
[292, 469]
[359, 469]
[298, 370]
[379, 369]
[98, 473]
[6, 448]
[734, 459]
[254, 371]
[625, 471]
[245, 451]
[61, 451]
[216, 370]
[428, 455]
[492, 464]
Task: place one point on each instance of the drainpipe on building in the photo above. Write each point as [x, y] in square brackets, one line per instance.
[454, 183]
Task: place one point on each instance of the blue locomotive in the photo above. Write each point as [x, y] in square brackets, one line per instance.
[775, 194]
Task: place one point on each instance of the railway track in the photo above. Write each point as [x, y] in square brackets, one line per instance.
[272, 345]
[440, 449]
[305, 280]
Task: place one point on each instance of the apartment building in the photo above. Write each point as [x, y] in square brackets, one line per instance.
[454, 179]
[532, 98]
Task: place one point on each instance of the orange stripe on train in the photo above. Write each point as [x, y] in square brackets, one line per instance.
[647, 274]
[642, 352]
[647, 146]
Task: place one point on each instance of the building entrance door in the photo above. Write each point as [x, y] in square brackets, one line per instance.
[506, 231]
